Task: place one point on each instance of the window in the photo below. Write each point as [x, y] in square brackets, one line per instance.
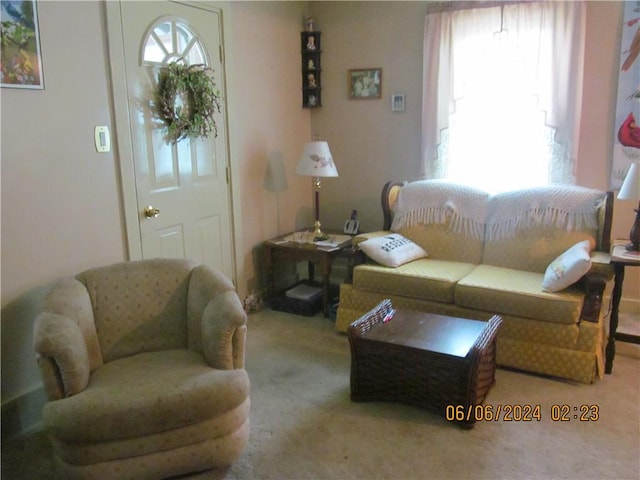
[171, 40]
[500, 95]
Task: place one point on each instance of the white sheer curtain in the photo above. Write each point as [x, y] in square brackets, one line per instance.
[502, 90]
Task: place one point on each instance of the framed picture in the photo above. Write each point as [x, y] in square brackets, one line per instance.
[365, 83]
[397, 102]
[20, 57]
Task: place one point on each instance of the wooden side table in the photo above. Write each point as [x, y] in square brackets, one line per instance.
[620, 259]
[293, 248]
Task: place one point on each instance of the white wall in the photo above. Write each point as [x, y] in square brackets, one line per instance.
[268, 127]
[61, 206]
[372, 145]
[61, 211]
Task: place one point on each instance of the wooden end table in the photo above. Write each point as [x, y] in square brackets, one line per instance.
[298, 247]
[620, 259]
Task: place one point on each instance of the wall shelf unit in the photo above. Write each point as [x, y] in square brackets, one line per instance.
[311, 69]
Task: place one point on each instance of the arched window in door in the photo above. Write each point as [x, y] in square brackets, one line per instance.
[171, 40]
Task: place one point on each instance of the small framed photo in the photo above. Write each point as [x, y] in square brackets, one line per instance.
[397, 102]
[365, 83]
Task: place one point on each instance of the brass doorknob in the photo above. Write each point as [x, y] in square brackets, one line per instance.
[151, 212]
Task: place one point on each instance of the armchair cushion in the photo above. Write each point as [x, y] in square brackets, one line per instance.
[60, 338]
[139, 309]
[185, 390]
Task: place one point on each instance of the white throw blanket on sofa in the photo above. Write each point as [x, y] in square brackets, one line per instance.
[435, 201]
[475, 213]
[564, 207]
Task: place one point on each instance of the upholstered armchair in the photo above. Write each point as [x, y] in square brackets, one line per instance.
[143, 363]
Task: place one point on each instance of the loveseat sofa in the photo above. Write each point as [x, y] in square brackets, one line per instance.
[538, 257]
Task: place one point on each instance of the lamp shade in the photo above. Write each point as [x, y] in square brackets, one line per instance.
[630, 189]
[316, 161]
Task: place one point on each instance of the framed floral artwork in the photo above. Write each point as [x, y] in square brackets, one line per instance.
[20, 57]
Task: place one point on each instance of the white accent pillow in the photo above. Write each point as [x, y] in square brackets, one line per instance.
[568, 268]
[392, 250]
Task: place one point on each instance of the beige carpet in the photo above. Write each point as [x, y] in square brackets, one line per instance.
[303, 425]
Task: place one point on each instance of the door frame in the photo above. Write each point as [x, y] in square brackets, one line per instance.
[122, 137]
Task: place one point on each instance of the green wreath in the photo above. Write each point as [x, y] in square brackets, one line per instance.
[187, 99]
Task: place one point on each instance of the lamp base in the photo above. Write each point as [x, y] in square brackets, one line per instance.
[318, 235]
[634, 234]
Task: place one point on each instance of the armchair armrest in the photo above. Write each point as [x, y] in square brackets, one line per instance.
[62, 355]
[223, 331]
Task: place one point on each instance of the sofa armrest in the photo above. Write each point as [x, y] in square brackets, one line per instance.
[601, 262]
[223, 331]
[595, 283]
[357, 256]
[369, 235]
[62, 355]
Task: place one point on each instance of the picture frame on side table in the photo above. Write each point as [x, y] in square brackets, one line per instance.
[365, 83]
[397, 102]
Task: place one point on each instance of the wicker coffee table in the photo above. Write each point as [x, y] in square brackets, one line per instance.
[422, 359]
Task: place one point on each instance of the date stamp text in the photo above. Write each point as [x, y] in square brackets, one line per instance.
[521, 413]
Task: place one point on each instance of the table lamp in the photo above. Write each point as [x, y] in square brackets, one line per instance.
[316, 161]
[630, 190]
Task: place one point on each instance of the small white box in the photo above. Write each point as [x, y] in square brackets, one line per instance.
[304, 292]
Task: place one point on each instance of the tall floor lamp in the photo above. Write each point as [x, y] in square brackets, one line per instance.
[630, 190]
[317, 162]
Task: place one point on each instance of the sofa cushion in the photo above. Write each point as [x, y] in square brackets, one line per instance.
[425, 278]
[532, 250]
[526, 229]
[519, 293]
[392, 250]
[568, 268]
[145, 394]
[443, 243]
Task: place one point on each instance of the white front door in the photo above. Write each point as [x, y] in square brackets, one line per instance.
[180, 192]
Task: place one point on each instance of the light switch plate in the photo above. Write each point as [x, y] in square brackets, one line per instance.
[102, 139]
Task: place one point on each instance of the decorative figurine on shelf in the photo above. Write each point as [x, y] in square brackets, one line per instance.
[308, 23]
[311, 78]
[311, 65]
[312, 100]
[311, 43]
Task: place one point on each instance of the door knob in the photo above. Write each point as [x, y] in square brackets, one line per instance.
[151, 212]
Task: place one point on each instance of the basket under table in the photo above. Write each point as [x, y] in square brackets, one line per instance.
[422, 359]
